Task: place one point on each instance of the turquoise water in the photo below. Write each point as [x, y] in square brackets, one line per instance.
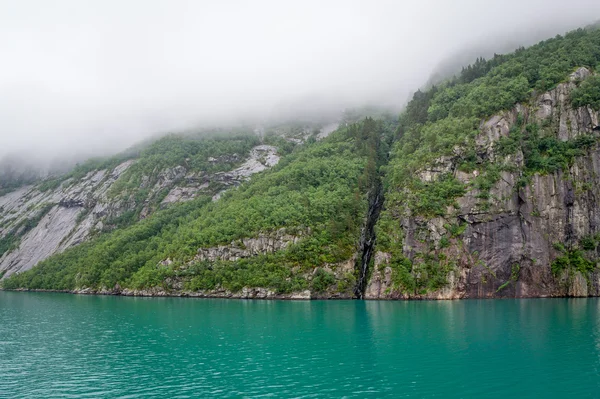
[60, 345]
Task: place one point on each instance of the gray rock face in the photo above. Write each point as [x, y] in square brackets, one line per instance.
[184, 185]
[380, 284]
[61, 227]
[45, 239]
[248, 247]
[261, 157]
[508, 246]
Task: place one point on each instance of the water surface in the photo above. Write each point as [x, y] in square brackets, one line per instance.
[60, 345]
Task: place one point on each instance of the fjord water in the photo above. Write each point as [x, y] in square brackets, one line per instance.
[60, 345]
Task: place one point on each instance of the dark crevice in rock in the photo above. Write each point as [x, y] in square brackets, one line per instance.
[71, 203]
[368, 238]
[522, 204]
[523, 256]
[569, 202]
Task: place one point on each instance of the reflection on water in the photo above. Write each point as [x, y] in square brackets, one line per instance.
[54, 345]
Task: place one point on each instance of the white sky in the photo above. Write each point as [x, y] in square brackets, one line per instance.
[101, 74]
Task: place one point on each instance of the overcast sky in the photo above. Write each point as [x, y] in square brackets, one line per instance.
[95, 75]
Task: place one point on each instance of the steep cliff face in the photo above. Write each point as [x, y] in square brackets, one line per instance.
[78, 209]
[533, 234]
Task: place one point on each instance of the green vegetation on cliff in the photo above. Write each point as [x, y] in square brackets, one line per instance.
[543, 152]
[581, 257]
[588, 93]
[210, 154]
[446, 116]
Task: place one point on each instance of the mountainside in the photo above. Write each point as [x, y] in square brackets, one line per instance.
[39, 220]
[486, 186]
[289, 230]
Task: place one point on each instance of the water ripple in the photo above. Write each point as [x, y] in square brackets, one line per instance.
[64, 346]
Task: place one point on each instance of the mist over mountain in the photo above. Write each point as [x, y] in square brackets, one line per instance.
[80, 81]
[505, 42]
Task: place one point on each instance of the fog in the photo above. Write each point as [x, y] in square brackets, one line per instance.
[80, 78]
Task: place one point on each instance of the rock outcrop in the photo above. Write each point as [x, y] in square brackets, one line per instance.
[261, 157]
[78, 208]
[248, 247]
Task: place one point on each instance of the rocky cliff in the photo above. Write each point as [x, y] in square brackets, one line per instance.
[530, 236]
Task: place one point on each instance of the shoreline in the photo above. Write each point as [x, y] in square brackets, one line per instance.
[269, 295]
[258, 294]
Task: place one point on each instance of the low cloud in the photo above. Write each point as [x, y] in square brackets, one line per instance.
[93, 77]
